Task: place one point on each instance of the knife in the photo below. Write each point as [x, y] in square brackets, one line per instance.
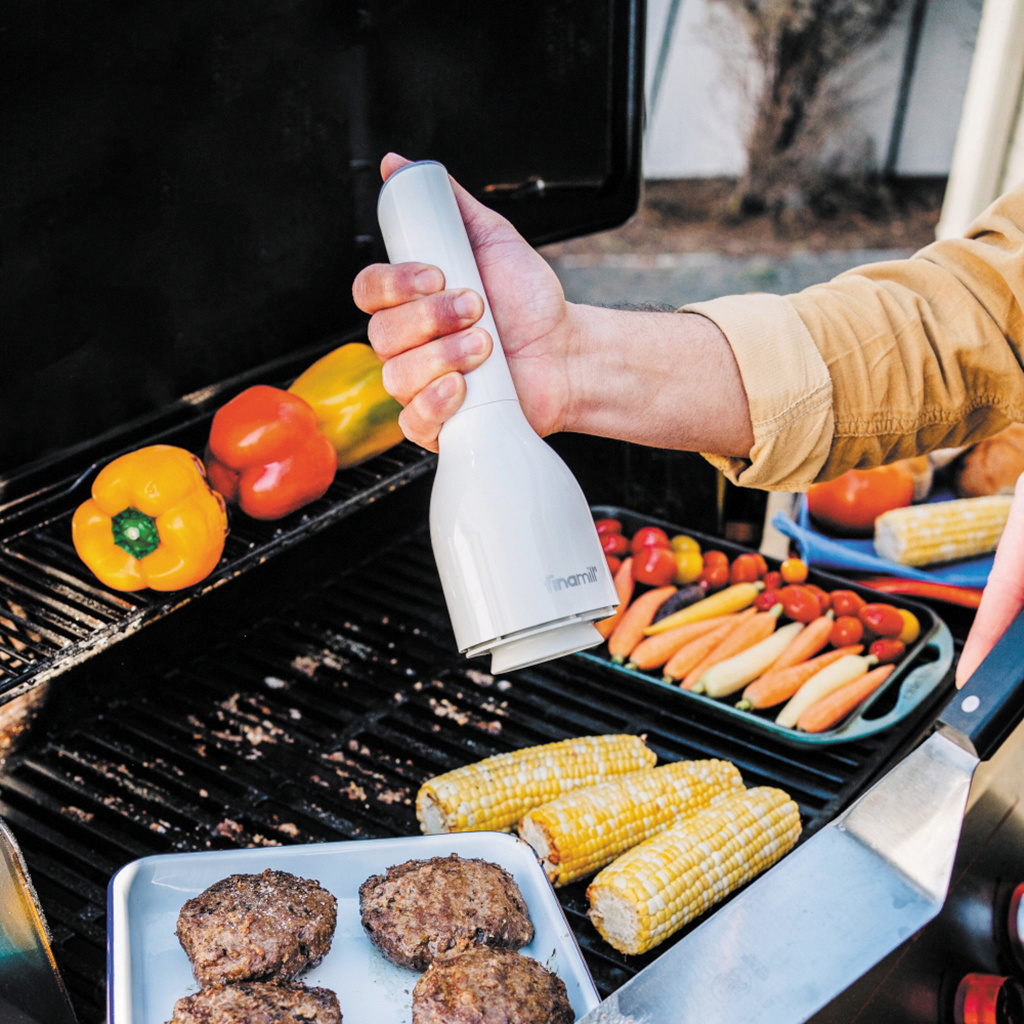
[840, 902]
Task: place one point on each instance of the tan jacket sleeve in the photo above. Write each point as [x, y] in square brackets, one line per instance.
[883, 362]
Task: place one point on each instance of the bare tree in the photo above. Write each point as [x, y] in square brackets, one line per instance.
[800, 45]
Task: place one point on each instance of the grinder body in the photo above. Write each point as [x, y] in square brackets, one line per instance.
[520, 562]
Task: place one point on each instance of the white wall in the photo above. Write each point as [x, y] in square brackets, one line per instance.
[695, 128]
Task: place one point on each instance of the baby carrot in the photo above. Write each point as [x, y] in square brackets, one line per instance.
[654, 651]
[696, 650]
[746, 634]
[635, 619]
[807, 643]
[624, 588]
[776, 686]
[825, 713]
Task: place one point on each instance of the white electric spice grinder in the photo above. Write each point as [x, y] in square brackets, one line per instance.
[520, 561]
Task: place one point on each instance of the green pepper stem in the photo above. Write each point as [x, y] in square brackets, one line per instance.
[135, 532]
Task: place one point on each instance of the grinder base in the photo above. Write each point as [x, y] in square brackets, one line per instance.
[542, 643]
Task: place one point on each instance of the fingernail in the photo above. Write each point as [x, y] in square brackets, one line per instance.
[472, 343]
[428, 281]
[466, 305]
[446, 388]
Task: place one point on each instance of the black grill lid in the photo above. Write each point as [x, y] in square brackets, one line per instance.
[189, 188]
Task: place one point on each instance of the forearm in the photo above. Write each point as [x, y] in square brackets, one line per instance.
[667, 380]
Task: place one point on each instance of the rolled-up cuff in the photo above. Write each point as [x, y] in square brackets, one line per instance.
[788, 387]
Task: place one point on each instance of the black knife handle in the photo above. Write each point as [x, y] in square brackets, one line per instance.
[991, 702]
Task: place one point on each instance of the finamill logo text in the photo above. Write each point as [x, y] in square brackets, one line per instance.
[578, 579]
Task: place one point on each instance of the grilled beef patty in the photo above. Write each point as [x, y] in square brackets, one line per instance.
[423, 909]
[490, 986]
[258, 1002]
[268, 927]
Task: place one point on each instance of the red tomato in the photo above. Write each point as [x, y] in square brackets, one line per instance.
[772, 580]
[887, 650]
[846, 630]
[823, 598]
[714, 576]
[744, 569]
[715, 557]
[766, 599]
[654, 566]
[882, 619]
[614, 563]
[608, 526]
[851, 503]
[793, 570]
[614, 544]
[649, 537]
[800, 603]
[847, 602]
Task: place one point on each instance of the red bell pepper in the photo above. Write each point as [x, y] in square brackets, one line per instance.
[266, 453]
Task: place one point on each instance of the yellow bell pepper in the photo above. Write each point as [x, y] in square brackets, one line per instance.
[152, 521]
[353, 410]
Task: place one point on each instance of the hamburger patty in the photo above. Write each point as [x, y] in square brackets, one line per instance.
[424, 909]
[258, 1002]
[268, 927]
[490, 986]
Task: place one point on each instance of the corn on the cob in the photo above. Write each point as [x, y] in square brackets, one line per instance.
[942, 530]
[653, 890]
[579, 832]
[495, 793]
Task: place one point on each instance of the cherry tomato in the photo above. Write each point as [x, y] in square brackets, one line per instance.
[822, 595]
[614, 563]
[799, 602]
[680, 542]
[881, 619]
[714, 576]
[608, 526]
[887, 650]
[911, 626]
[766, 599]
[846, 630]
[772, 580]
[851, 503]
[654, 566]
[649, 537]
[614, 544]
[689, 566]
[847, 602]
[793, 570]
[715, 557]
[744, 569]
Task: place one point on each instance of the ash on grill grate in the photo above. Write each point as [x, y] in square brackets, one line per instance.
[319, 724]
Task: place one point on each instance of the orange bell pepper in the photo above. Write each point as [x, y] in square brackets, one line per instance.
[152, 521]
[266, 453]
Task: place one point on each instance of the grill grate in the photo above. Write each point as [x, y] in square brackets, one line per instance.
[319, 724]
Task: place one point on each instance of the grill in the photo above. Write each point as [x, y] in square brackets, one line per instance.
[188, 193]
[317, 720]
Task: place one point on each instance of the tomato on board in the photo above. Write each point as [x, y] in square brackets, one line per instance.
[649, 537]
[614, 544]
[851, 503]
[847, 602]
[689, 565]
[846, 630]
[745, 569]
[654, 566]
[772, 580]
[794, 570]
[715, 575]
[604, 526]
[882, 619]
[799, 602]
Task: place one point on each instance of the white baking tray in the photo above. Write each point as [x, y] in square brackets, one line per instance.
[147, 970]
